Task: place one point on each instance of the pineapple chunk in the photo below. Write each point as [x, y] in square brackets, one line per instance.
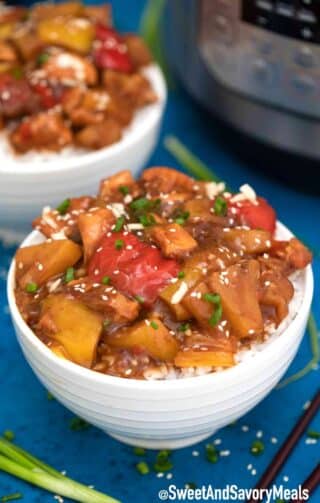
[249, 241]
[191, 277]
[204, 359]
[151, 335]
[38, 263]
[74, 326]
[76, 34]
[238, 290]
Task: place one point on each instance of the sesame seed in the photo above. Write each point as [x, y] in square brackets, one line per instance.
[259, 434]
[195, 453]
[285, 478]
[274, 440]
[217, 441]
[225, 453]
[245, 427]
[253, 472]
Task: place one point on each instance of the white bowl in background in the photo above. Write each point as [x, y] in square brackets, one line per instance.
[171, 413]
[27, 186]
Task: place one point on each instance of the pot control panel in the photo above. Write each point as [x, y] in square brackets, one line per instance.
[268, 50]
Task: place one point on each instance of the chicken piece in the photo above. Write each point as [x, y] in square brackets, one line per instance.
[165, 180]
[275, 293]
[27, 42]
[139, 52]
[134, 88]
[295, 253]
[85, 107]
[173, 240]
[111, 186]
[43, 131]
[93, 225]
[195, 303]
[49, 10]
[99, 13]
[7, 53]
[199, 209]
[69, 69]
[99, 135]
[12, 14]
[115, 306]
[64, 220]
[238, 289]
[16, 97]
[120, 111]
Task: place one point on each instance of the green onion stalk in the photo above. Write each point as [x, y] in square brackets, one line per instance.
[150, 30]
[21, 464]
[199, 170]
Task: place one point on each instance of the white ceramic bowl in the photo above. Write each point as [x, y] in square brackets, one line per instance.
[26, 187]
[163, 414]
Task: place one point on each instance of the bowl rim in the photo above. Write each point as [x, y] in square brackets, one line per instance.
[134, 135]
[164, 385]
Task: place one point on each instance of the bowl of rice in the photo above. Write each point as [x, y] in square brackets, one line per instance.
[165, 401]
[77, 98]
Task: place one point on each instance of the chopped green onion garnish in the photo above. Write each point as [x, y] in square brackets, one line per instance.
[8, 435]
[50, 396]
[313, 434]
[163, 462]
[32, 287]
[42, 58]
[191, 485]
[182, 218]
[78, 424]
[142, 468]
[257, 448]
[147, 220]
[212, 454]
[64, 206]
[139, 299]
[119, 224]
[216, 316]
[184, 327]
[106, 323]
[181, 274]
[124, 190]
[69, 275]
[11, 497]
[17, 73]
[220, 206]
[140, 204]
[139, 451]
[119, 244]
[154, 324]
[214, 298]
[105, 280]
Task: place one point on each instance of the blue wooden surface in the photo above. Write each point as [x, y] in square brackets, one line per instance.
[42, 426]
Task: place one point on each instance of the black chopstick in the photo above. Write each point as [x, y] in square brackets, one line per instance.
[310, 484]
[288, 445]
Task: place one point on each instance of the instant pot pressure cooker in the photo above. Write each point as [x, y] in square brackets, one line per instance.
[254, 63]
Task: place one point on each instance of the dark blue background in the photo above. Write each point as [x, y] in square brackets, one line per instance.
[42, 426]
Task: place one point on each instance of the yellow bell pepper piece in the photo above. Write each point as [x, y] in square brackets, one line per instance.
[76, 34]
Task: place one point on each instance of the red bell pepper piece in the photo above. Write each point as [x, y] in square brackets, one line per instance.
[255, 216]
[135, 268]
[112, 53]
